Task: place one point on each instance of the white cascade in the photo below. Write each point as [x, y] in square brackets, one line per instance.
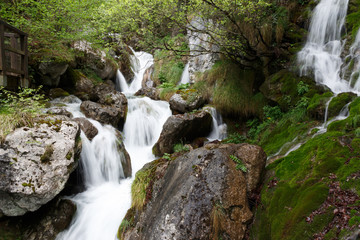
[121, 84]
[104, 203]
[185, 76]
[321, 55]
[219, 128]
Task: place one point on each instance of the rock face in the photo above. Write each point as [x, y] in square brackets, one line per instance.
[35, 164]
[87, 127]
[179, 104]
[200, 196]
[182, 127]
[199, 41]
[125, 160]
[95, 60]
[50, 72]
[60, 111]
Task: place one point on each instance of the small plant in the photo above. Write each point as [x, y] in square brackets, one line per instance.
[272, 113]
[302, 88]
[182, 86]
[239, 164]
[180, 147]
[167, 156]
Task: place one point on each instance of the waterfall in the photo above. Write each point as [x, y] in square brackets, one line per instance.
[219, 128]
[104, 203]
[321, 55]
[121, 84]
[185, 76]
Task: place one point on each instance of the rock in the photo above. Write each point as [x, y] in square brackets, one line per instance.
[186, 101]
[254, 159]
[125, 159]
[84, 84]
[148, 86]
[51, 221]
[317, 106]
[103, 113]
[57, 92]
[200, 41]
[35, 164]
[95, 60]
[59, 111]
[50, 72]
[87, 127]
[338, 102]
[199, 195]
[182, 127]
[101, 90]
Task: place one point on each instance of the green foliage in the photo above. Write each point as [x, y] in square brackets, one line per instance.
[180, 147]
[272, 113]
[239, 164]
[167, 156]
[235, 138]
[302, 88]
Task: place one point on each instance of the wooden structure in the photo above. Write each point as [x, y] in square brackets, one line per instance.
[13, 57]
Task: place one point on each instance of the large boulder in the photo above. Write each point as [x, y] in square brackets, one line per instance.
[125, 158]
[186, 101]
[182, 127]
[96, 60]
[148, 86]
[199, 195]
[35, 164]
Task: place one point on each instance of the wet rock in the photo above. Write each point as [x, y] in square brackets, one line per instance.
[50, 221]
[87, 127]
[83, 84]
[35, 164]
[186, 102]
[125, 158]
[182, 127]
[110, 108]
[338, 102]
[201, 195]
[254, 159]
[59, 111]
[148, 86]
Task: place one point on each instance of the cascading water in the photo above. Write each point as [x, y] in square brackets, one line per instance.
[101, 208]
[185, 76]
[321, 55]
[140, 61]
[219, 128]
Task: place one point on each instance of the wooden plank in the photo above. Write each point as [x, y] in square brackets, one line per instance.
[14, 50]
[2, 47]
[8, 26]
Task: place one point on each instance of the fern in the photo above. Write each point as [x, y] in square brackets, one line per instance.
[239, 164]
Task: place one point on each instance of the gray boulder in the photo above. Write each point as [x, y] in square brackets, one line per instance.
[59, 111]
[179, 127]
[125, 160]
[186, 102]
[148, 86]
[35, 164]
[199, 195]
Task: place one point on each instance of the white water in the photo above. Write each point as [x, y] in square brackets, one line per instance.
[321, 55]
[185, 76]
[140, 61]
[219, 128]
[104, 203]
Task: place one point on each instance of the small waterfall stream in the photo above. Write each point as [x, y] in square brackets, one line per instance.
[185, 76]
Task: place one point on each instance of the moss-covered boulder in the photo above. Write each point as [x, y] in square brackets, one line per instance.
[338, 102]
[317, 106]
[57, 92]
[284, 89]
[186, 101]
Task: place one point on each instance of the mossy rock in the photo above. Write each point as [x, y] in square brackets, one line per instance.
[317, 106]
[338, 102]
[57, 92]
[281, 88]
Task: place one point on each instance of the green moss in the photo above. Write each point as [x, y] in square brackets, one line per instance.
[353, 17]
[317, 105]
[49, 150]
[338, 102]
[167, 68]
[69, 155]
